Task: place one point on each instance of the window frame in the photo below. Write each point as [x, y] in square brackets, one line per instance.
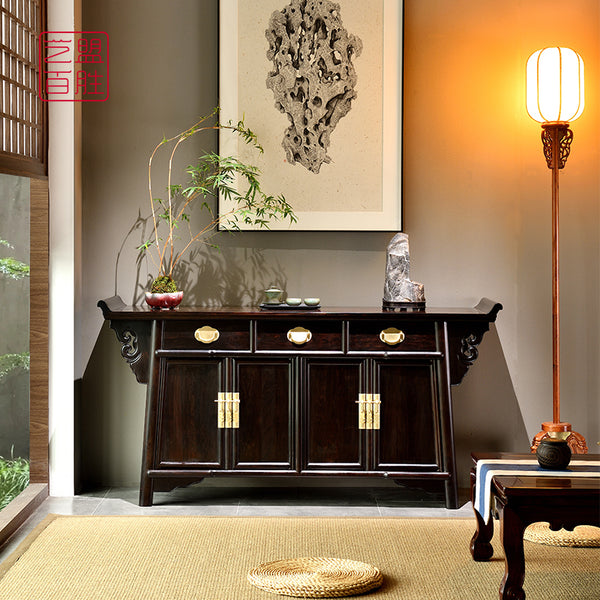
[20, 153]
[36, 169]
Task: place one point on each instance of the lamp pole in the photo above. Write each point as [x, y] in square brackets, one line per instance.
[556, 139]
[555, 134]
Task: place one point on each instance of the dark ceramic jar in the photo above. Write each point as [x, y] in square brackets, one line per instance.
[553, 453]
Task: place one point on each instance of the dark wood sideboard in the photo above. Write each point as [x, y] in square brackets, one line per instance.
[329, 392]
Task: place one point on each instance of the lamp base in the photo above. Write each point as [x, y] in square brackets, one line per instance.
[560, 430]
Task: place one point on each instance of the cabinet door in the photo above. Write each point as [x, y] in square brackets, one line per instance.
[188, 434]
[331, 438]
[265, 437]
[408, 438]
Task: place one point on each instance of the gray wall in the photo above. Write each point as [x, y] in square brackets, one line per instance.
[475, 211]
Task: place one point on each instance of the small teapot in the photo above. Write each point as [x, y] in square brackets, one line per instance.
[273, 295]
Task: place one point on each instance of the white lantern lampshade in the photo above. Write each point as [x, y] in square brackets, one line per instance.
[555, 92]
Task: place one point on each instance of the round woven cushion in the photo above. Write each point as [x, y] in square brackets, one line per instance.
[582, 536]
[315, 577]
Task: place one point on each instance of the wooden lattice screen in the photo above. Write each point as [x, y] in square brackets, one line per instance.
[23, 140]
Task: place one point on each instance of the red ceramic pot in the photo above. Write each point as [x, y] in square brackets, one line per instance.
[164, 300]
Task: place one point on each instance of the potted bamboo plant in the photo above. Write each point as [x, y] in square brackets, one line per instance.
[211, 177]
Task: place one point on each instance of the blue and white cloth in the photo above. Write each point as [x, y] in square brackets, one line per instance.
[488, 468]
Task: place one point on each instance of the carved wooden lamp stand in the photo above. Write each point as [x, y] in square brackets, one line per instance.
[554, 98]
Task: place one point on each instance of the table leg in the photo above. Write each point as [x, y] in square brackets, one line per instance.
[511, 535]
[481, 549]
[146, 491]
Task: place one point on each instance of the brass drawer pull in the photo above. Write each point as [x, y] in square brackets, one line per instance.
[206, 334]
[299, 336]
[392, 336]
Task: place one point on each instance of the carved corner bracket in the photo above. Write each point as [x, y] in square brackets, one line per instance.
[463, 349]
[468, 348]
[134, 339]
[464, 338]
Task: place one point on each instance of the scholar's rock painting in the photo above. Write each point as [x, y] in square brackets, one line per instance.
[313, 77]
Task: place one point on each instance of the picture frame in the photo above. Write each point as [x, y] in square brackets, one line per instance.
[360, 189]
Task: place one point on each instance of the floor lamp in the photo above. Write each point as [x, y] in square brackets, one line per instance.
[555, 97]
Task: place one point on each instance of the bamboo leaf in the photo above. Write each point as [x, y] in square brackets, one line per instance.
[211, 177]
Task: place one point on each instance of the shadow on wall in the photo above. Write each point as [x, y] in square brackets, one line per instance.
[211, 274]
[487, 417]
[110, 421]
[228, 277]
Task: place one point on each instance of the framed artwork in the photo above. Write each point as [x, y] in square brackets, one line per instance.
[320, 83]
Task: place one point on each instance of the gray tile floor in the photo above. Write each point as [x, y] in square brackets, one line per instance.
[391, 501]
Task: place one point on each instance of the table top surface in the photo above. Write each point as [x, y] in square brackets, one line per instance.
[544, 484]
[529, 484]
[114, 308]
[476, 456]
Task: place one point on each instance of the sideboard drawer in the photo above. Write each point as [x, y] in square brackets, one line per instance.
[399, 336]
[206, 335]
[299, 335]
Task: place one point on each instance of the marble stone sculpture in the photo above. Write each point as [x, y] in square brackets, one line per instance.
[313, 77]
[398, 288]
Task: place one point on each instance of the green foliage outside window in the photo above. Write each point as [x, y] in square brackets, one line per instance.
[14, 477]
[11, 267]
[14, 472]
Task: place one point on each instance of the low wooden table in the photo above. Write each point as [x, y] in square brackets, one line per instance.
[519, 500]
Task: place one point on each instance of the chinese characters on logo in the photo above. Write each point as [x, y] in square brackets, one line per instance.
[73, 66]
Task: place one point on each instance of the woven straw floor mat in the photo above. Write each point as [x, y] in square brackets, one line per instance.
[208, 558]
[581, 536]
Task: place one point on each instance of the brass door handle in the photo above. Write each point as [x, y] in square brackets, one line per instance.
[376, 408]
[228, 411]
[221, 410]
[299, 336]
[392, 336]
[362, 411]
[369, 411]
[235, 406]
[206, 334]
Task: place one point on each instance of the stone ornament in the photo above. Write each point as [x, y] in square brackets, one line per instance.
[398, 288]
[313, 78]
